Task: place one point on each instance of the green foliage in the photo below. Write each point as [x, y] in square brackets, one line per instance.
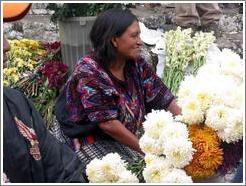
[67, 10]
[137, 168]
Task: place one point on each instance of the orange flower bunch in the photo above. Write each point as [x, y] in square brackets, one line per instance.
[208, 156]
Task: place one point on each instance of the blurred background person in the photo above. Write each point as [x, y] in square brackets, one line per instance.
[193, 15]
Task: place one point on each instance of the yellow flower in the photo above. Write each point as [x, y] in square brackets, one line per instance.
[15, 78]
[41, 52]
[6, 83]
[18, 62]
[9, 71]
[6, 72]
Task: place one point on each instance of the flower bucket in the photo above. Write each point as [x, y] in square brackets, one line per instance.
[75, 41]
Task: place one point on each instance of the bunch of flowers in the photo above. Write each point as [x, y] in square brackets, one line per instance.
[55, 72]
[10, 76]
[214, 98]
[110, 169]
[184, 53]
[35, 68]
[23, 57]
[167, 148]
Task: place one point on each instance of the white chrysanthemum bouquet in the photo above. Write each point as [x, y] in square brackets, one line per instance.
[110, 169]
[215, 96]
[212, 105]
[167, 149]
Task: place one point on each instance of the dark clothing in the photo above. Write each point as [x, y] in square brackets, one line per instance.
[238, 178]
[30, 152]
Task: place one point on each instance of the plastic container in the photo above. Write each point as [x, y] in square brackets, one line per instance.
[75, 41]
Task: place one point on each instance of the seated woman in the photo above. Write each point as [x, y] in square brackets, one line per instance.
[104, 102]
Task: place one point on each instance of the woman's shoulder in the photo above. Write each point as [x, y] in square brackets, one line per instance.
[88, 65]
[88, 70]
[143, 65]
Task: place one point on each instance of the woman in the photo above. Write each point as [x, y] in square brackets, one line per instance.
[30, 153]
[110, 91]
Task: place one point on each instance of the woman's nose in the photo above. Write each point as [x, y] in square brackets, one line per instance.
[6, 46]
[139, 41]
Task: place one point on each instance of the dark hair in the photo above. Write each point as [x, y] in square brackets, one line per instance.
[109, 24]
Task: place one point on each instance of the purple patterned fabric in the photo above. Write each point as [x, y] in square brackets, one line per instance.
[94, 94]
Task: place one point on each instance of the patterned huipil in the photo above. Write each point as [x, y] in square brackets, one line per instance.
[93, 94]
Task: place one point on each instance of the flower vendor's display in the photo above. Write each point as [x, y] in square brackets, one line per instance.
[212, 104]
[36, 69]
[204, 141]
[110, 169]
[184, 53]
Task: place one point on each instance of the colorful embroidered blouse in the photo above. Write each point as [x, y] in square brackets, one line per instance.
[93, 94]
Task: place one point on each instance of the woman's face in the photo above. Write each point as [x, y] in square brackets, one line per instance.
[129, 44]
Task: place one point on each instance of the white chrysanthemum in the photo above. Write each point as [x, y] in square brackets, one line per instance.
[150, 145]
[232, 64]
[174, 131]
[232, 96]
[106, 170]
[156, 121]
[204, 96]
[192, 112]
[179, 152]
[115, 160]
[238, 97]
[208, 71]
[185, 89]
[151, 159]
[101, 172]
[93, 172]
[234, 129]
[127, 177]
[153, 173]
[227, 92]
[110, 172]
[217, 117]
[176, 176]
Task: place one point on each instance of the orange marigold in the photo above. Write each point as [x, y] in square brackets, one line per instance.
[198, 173]
[208, 156]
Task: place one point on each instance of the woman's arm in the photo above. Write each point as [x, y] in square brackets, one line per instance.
[174, 108]
[119, 132]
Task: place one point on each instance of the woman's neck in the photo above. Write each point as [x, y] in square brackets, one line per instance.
[117, 69]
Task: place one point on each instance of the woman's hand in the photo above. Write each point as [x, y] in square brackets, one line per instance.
[174, 108]
[119, 132]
